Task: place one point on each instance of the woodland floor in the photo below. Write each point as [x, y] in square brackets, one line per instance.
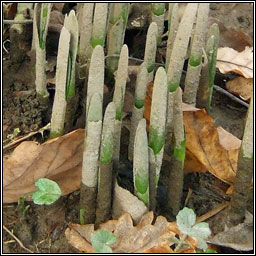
[42, 229]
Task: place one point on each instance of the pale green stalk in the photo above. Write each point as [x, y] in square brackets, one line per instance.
[90, 164]
[173, 24]
[138, 105]
[118, 99]
[59, 104]
[140, 163]
[204, 94]
[195, 58]
[175, 187]
[96, 74]
[99, 26]
[104, 195]
[150, 50]
[116, 30]
[157, 131]
[71, 24]
[85, 28]
[180, 46]
[244, 173]
[40, 29]
[158, 11]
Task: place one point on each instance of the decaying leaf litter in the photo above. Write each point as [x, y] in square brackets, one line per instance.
[20, 85]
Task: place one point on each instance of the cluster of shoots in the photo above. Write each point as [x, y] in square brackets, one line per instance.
[103, 132]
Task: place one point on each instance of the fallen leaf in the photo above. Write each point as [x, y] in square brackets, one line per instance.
[239, 237]
[241, 63]
[206, 145]
[243, 87]
[58, 159]
[231, 37]
[124, 201]
[143, 238]
[207, 148]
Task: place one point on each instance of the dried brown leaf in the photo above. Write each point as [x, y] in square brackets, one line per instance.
[241, 63]
[59, 159]
[204, 142]
[241, 86]
[143, 238]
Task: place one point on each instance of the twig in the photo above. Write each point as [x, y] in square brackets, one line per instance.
[47, 127]
[231, 96]
[212, 212]
[16, 238]
[17, 21]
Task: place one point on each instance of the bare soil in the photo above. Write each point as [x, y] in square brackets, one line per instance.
[41, 228]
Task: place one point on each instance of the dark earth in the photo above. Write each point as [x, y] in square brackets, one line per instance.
[41, 228]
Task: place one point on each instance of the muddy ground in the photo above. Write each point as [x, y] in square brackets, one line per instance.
[41, 228]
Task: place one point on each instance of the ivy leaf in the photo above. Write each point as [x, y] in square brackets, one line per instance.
[200, 230]
[48, 192]
[186, 218]
[101, 239]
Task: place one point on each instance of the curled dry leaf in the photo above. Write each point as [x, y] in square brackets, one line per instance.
[207, 148]
[241, 86]
[58, 159]
[143, 238]
[241, 63]
[214, 148]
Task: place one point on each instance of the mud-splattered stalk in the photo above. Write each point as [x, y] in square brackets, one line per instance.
[85, 28]
[71, 24]
[173, 24]
[140, 163]
[195, 58]
[116, 30]
[99, 26]
[59, 104]
[118, 98]
[175, 186]
[138, 105]
[157, 132]
[158, 11]
[88, 188]
[244, 172]
[104, 195]
[176, 62]
[204, 94]
[40, 29]
[96, 75]
[150, 50]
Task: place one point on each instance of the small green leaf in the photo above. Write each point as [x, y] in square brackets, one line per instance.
[48, 192]
[200, 230]
[186, 218]
[101, 239]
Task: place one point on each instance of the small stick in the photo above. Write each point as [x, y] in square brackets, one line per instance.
[212, 212]
[17, 21]
[47, 127]
[231, 96]
[16, 238]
